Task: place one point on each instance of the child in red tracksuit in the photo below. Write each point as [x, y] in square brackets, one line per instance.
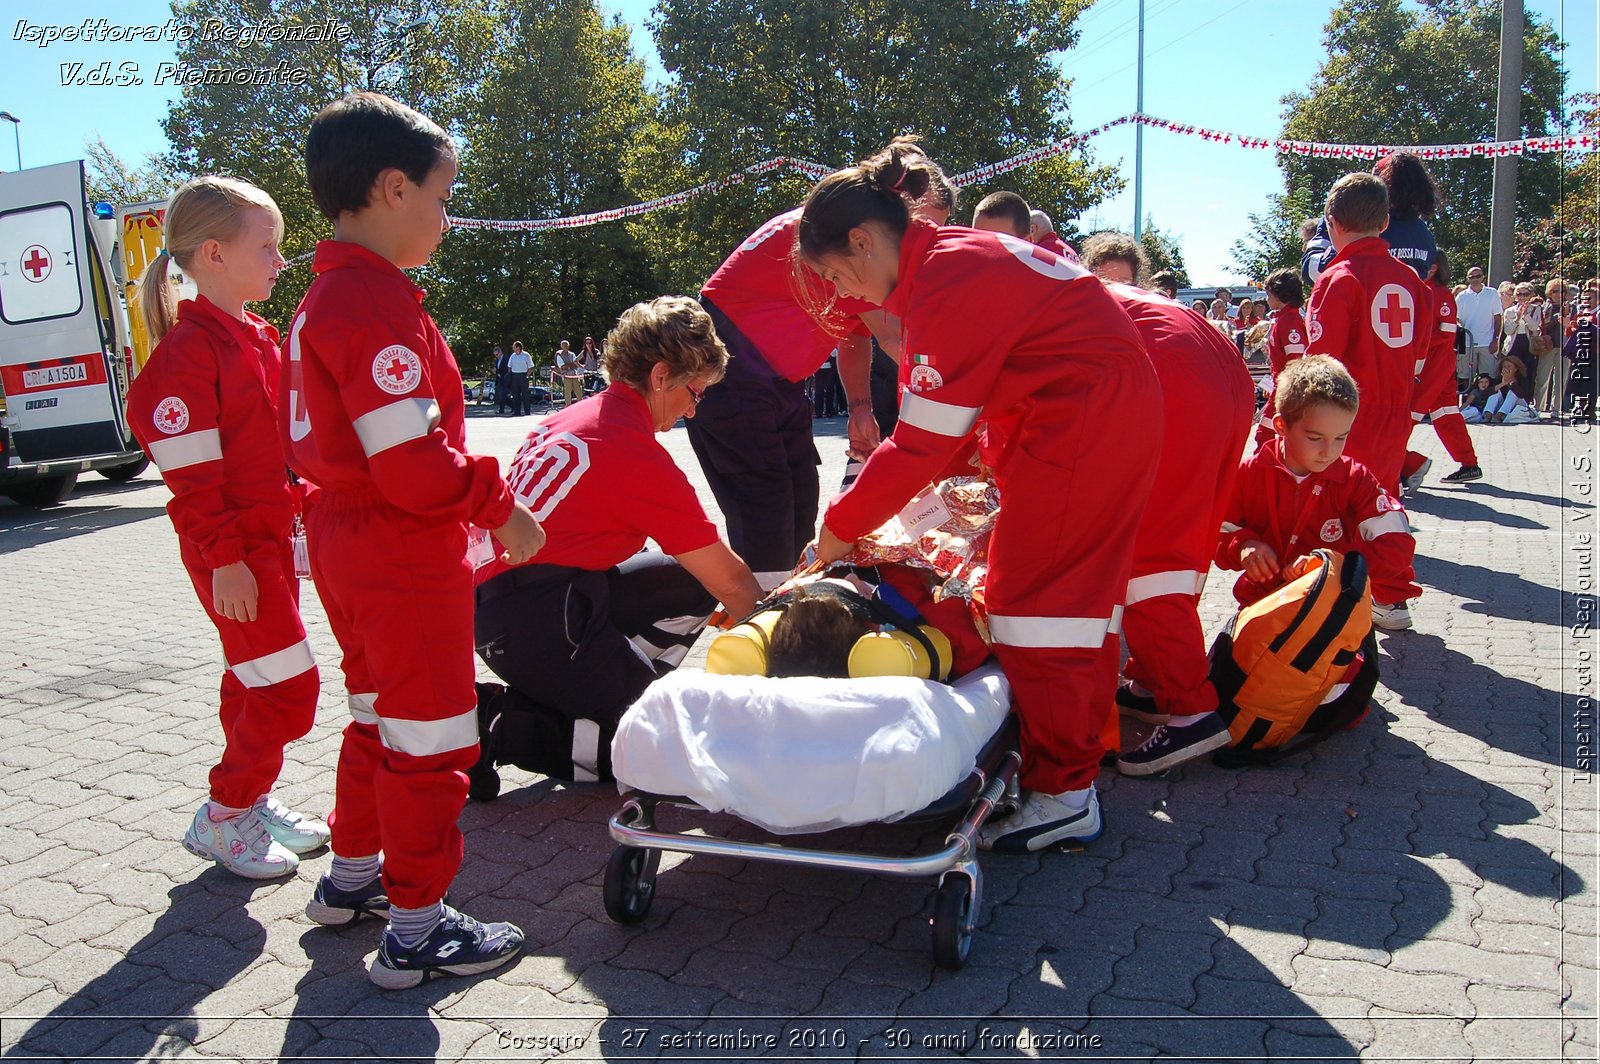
[375, 418]
[1298, 492]
[1286, 341]
[205, 409]
[1434, 396]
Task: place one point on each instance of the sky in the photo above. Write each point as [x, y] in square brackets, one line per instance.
[1222, 64]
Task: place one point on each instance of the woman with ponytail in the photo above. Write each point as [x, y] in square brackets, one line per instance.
[205, 409]
[1001, 331]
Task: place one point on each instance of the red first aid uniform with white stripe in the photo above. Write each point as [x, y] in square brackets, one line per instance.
[1372, 313]
[1434, 396]
[998, 327]
[1343, 508]
[1208, 400]
[1286, 341]
[375, 418]
[205, 410]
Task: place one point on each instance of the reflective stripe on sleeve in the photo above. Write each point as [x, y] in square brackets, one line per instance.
[423, 738]
[1087, 633]
[276, 667]
[1294, 349]
[1447, 326]
[1444, 411]
[1230, 528]
[1416, 417]
[1383, 524]
[1419, 366]
[193, 448]
[399, 422]
[363, 708]
[1173, 582]
[930, 415]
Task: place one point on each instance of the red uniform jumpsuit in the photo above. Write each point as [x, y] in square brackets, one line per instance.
[1053, 242]
[1372, 313]
[1208, 400]
[1286, 341]
[375, 418]
[205, 409]
[752, 433]
[1434, 396]
[1343, 508]
[995, 326]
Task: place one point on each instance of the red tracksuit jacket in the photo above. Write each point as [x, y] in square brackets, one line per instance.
[1342, 508]
[1372, 313]
[205, 409]
[1435, 390]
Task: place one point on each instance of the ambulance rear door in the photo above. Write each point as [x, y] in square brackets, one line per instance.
[57, 340]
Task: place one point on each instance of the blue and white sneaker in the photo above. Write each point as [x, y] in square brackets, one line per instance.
[332, 907]
[295, 831]
[460, 945]
[1044, 820]
[240, 844]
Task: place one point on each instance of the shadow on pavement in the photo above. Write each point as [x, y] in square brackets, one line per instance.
[1490, 591]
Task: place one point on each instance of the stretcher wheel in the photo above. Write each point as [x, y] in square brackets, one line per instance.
[630, 884]
[953, 923]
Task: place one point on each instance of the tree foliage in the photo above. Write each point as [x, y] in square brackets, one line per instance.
[1568, 244]
[1427, 73]
[1273, 240]
[1163, 252]
[113, 179]
[833, 81]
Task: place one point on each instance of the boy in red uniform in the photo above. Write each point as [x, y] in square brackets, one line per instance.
[1299, 492]
[1434, 396]
[1286, 341]
[375, 418]
[1372, 313]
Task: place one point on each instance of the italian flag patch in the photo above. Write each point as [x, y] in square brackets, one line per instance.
[922, 360]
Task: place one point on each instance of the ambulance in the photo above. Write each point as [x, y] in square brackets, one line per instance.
[68, 347]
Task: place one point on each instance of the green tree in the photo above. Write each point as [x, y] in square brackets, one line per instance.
[1565, 245]
[1273, 241]
[834, 80]
[1162, 252]
[578, 93]
[118, 182]
[1426, 73]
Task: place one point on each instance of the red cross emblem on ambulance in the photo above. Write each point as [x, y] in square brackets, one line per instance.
[1394, 315]
[35, 263]
[397, 369]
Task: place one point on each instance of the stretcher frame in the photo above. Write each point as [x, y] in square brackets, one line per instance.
[990, 786]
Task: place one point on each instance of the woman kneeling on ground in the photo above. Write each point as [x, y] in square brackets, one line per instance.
[581, 630]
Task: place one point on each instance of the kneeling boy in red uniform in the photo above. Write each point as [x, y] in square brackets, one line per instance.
[1298, 492]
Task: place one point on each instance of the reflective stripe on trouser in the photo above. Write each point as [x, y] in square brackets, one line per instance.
[399, 601]
[269, 692]
[1090, 450]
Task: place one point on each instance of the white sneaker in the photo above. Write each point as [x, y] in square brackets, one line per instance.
[1395, 618]
[240, 845]
[296, 832]
[1043, 820]
[1413, 483]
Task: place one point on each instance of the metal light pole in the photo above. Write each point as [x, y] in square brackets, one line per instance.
[1507, 126]
[1138, 140]
[16, 124]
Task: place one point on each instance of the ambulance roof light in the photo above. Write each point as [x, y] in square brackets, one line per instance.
[104, 210]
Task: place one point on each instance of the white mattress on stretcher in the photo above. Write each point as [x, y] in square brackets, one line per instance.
[807, 753]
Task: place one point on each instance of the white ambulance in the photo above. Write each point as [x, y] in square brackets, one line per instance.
[67, 353]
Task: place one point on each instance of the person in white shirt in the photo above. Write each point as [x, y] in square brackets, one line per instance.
[569, 367]
[518, 363]
[1478, 310]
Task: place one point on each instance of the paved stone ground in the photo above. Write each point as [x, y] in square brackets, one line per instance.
[1422, 888]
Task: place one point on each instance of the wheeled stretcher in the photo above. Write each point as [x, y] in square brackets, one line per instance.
[802, 755]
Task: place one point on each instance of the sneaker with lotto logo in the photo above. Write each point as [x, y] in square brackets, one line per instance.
[332, 907]
[1130, 703]
[240, 844]
[1170, 745]
[459, 945]
[297, 832]
[1042, 821]
[1413, 483]
[1395, 618]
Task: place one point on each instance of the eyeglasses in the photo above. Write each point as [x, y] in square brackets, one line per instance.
[696, 394]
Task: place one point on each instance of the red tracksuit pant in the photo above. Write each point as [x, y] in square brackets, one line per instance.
[1452, 431]
[1207, 421]
[269, 691]
[398, 593]
[1072, 491]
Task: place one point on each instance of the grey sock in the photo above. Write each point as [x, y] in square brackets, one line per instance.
[353, 873]
[411, 926]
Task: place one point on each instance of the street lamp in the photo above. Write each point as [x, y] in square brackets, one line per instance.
[15, 131]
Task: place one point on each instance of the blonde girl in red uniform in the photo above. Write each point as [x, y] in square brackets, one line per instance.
[205, 409]
[998, 329]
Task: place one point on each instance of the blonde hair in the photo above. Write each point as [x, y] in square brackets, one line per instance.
[673, 330]
[1311, 381]
[207, 208]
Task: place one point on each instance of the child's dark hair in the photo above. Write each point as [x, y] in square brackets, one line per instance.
[1412, 191]
[1010, 206]
[1441, 268]
[355, 139]
[1284, 286]
[1359, 203]
[814, 636]
[875, 189]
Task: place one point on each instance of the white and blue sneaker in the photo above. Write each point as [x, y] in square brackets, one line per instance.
[296, 832]
[332, 907]
[1044, 820]
[240, 844]
[459, 945]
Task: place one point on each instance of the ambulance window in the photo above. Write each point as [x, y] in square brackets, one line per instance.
[102, 295]
[38, 278]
